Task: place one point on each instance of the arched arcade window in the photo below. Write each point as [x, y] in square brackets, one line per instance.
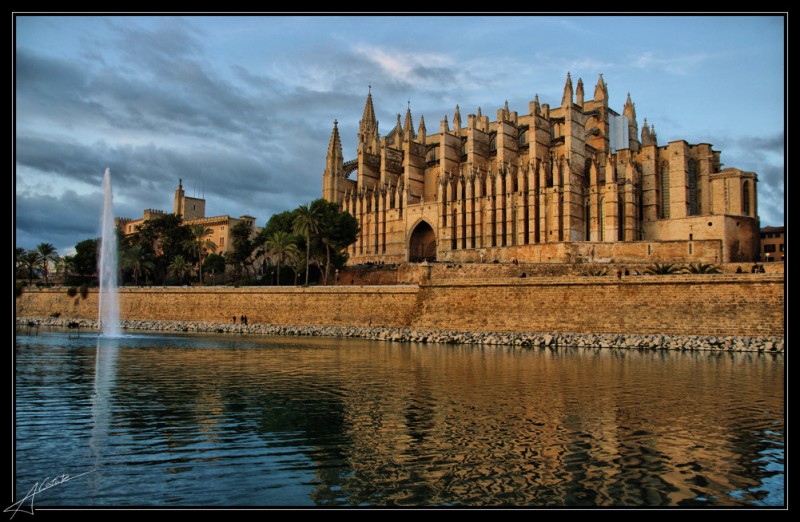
[665, 190]
[746, 198]
[691, 180]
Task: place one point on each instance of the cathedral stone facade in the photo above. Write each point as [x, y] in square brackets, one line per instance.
[574, 183]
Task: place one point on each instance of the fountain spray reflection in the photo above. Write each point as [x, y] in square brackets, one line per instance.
[104, 377]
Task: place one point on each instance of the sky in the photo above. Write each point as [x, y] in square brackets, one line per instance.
[241, 108]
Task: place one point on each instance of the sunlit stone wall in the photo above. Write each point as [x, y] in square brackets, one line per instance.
[749, 305]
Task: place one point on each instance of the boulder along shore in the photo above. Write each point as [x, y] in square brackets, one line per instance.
[383, 333]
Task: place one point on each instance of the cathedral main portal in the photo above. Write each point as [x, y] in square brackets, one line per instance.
[422, 246]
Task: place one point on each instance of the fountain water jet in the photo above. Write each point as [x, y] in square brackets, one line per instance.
[108, 312]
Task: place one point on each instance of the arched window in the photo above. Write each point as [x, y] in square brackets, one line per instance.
[587, 173]
[746, 198]
[587, 217]
[493, 143]
[665, 190]
[433, 154]
[523, 137]
[692, 209]
[601, 214]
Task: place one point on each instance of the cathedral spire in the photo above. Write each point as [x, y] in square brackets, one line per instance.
[334, 167]
[444, 126]
[506, 112]
[646, 137]
[479, 112]
[422, 131]
[408, 127]
[600, 90]
[579, 93]
[397, 132]
[566, 99]
[537, 109]
[457, 120]
[630, 109]
[369, 125]
[335, 145]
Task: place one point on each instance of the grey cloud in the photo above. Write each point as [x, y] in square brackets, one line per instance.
[173, 38]
[62, 221]
[439, 74]
[173, 93]
[774, 143]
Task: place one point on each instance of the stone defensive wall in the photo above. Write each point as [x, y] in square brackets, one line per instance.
[404, 273]
[739, 305]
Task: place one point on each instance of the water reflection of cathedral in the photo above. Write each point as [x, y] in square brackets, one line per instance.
[417, 424]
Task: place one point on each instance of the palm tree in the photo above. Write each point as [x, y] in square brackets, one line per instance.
[305, 224]
[199, 240]
[701, 268]
[59, 267]
[297, 265]
[280, 246]
[597, 272]
[31, 261]
[179, 267]
[47, 252]
[19, 253]
[330, 244]
[663, 269]
[136, 260]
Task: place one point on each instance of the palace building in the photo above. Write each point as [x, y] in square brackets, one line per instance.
[578, 182]
[193, 212]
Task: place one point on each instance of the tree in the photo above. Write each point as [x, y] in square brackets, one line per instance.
[47, 253]
[138, 261]
[281, 248]
[337, 231]
[84, 262]
[165, 237]
[241, 249]
[279, 222]
[297, 265]
[701, 268]
[306, 223]
[325, 242]
[19, 253]
[214, 263]
[60, 267]
[179, 268]
[30, 262]
[200, 241]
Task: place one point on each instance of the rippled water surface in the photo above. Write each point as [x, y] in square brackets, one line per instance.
[190, 420]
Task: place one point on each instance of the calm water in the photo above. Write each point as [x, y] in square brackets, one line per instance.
[190, 420]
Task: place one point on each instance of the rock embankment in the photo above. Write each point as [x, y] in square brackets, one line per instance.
[380, 333]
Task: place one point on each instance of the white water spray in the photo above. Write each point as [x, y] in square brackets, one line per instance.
[108, 313]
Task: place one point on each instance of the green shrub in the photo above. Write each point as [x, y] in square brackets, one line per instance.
[702, 268]
[596, 272]
[663, 269]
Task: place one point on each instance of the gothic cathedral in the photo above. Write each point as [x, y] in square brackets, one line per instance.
[574, 183]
